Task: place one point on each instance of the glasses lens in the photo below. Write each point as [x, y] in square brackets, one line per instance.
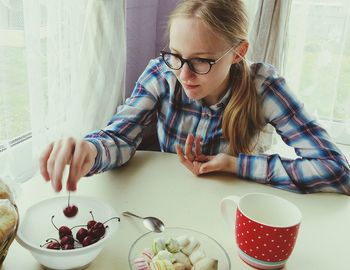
[200, 66]
[172, 61]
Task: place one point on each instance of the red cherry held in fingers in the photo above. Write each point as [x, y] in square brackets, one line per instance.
[81, 234]
[70, 211]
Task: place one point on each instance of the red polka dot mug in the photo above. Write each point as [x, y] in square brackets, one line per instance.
[266, 228]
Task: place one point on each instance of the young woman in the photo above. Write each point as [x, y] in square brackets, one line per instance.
[211, 107]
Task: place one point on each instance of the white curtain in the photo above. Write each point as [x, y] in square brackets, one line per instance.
[268, 39]
[268, 34]
[76, 57]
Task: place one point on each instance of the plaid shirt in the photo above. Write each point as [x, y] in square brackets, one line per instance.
[157, 97]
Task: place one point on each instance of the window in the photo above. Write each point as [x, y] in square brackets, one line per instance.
[318, 61]
[14, 102]
[15, 128]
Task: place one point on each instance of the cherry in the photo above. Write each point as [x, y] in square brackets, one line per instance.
[98, 230]
[68, 246]
[81, 234]
[67, 240]
[63, 230]
[52, 243]
[92, 222]
[89, 240]
[70, 210]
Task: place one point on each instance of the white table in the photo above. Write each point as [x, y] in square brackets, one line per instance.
[156, 184]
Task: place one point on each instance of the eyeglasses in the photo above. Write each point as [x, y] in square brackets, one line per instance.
[197, 65]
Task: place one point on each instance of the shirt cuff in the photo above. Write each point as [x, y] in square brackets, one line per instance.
[96, 168]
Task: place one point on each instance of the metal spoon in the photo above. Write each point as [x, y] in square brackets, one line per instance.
[151, 223]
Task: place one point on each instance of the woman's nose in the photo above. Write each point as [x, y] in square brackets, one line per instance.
[186, 73]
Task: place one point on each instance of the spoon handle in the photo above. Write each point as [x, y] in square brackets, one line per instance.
[131, 215]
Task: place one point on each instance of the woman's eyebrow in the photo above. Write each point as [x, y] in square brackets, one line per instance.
[194, 54]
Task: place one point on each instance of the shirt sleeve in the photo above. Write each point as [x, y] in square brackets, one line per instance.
[320, 166]
[117, 142]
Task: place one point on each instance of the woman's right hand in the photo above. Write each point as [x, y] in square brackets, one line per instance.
[79, 154]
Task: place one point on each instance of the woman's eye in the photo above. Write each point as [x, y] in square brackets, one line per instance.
[199, 60]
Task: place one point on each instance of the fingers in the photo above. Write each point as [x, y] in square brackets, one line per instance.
[79, 154]
[60, 156]
[43, 162]
[188, 147]
[82, 161]
[199, 156]
[186, 162]
[75, 168]
[211, 166]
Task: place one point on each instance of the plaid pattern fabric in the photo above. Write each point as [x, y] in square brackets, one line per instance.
[159, 97]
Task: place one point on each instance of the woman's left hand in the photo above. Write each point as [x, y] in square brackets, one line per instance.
[198, 163]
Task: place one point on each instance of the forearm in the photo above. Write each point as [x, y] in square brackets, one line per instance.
[112, 150]
[301, 175]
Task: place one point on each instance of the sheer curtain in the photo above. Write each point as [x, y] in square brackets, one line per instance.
[268, 38]
[76, 57]
[268, 35]
[309, 43]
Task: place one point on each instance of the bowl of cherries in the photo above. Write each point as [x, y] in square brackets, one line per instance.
[61, 235]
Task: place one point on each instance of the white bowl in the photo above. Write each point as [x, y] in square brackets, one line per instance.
[35, 227]
[210, 246]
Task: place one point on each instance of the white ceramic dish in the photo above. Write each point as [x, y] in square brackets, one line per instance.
[211, 247]
[35, 227]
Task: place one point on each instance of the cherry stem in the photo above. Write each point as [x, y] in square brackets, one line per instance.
[92, 215]
[111, 219]
[77, 226]
[68, 198]
[50, 240]
[53, 222]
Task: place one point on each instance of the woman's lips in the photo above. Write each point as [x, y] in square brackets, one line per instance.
[190, 86]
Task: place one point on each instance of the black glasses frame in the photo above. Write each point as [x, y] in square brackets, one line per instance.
[211, 62]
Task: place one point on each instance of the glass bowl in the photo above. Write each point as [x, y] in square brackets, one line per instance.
[35, 227]
[208, 244]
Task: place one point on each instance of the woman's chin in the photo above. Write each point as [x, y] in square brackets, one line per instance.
[192, 95]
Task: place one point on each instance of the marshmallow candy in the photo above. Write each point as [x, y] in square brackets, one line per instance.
[161, 265]
[183, 259]
[141, 263]
[147, 254]
[179, 266]
[206, 264]
[183, 240]
[196, 255]
[188, 249]
[164, 255]
[172, 245]
[157, 245]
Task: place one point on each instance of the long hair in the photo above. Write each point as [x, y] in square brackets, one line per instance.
[242, 119]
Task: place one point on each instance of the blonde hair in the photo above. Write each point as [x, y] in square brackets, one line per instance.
[242, 119]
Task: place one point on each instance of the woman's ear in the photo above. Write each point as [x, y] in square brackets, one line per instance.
[241, 51]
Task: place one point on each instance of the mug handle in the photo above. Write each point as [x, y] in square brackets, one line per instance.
[228, 207]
